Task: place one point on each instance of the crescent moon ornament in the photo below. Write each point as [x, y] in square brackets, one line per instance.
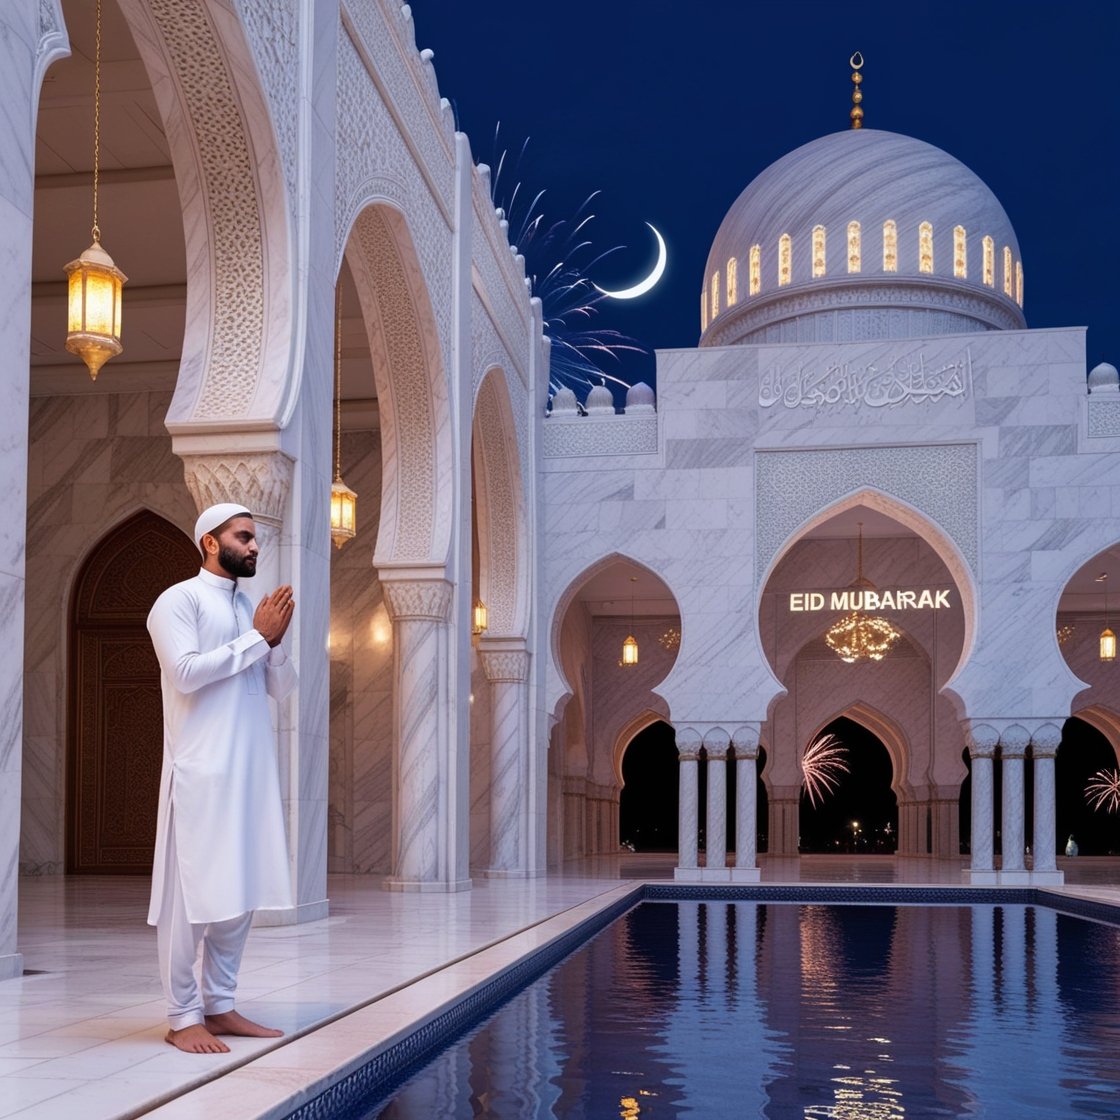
[645, 285]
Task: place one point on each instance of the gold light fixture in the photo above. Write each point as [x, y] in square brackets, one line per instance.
[344, 502]
[671, 639]
[858, 636]
[630, 646]
[480, 618]
[93, 281]
[1108, 638]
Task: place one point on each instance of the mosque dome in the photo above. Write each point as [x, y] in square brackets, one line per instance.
[862, 235]
[1103, 378]
[600, 402]
[639, 398]
[564, 402]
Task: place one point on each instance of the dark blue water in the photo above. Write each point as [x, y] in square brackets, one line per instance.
[722, 1009]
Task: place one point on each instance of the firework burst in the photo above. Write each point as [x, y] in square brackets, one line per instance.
[1103, 790]
[559, 256]
[821, 766]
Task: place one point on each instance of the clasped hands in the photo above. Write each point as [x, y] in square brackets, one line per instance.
[274, 614]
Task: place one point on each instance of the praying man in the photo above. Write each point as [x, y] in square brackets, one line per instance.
[221, 851]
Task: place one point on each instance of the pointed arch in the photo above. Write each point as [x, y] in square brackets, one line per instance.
[647, 717]
[417, 493]
[114, 738]
[559, 687]
[1104, 720]
[500, 508]
[238, 345]
[919, 523]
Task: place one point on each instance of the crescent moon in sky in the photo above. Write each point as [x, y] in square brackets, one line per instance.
[643, 286]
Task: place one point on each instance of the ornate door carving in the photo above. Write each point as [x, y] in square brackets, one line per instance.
[115, 744]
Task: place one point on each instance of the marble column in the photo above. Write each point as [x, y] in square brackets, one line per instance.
[507, 670]
[982, 740]
[1045, 741]
[744, 746]
[419, 610]
[688, 807]
[1013, 743]
[33, 36]
[716, 744]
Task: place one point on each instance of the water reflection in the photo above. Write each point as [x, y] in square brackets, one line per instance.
[846, 1012]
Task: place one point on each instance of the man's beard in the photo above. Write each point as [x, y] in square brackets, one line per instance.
[240, 566]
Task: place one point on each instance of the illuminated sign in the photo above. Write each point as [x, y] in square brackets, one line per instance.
[867, 600]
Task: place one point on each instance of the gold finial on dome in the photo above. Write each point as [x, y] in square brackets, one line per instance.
[856, 63]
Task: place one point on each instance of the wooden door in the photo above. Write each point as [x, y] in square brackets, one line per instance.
[115, 747]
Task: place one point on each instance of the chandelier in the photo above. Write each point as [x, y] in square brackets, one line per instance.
[858, 636]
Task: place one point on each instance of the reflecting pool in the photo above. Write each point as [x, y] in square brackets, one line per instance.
[854, 1012]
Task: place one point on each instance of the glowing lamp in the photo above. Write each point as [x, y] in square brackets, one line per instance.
[344, 508]
[630, 651]
[94, 328]
[480, 617]
[1108, 645]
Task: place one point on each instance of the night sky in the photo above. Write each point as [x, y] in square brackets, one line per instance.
[671, 108]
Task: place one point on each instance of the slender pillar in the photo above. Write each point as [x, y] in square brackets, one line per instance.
[688, 806]
[419, 610]
[982, 740]
[33, 36]
[1013, 743]
[1044, 746]
[507, 670]
[715, 849]
[744, 745]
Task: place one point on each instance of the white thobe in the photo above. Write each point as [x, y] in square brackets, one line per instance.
[220, 787]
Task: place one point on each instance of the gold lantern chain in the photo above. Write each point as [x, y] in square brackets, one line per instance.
[96, 230]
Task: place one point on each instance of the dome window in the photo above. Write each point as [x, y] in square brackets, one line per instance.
[960, 253]
[703, 309]
[853, 247]
[1019, 283]
[785, 253]
[732, 282]
[715, 295]
[989, 262]
[818, 251]
[1007, 270]
[890, 246]
[755, 280]
[925, 247]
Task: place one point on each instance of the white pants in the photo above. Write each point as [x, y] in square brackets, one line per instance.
[178, 940]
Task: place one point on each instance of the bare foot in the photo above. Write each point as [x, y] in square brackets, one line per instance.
[196, 1039]
[233, 1022]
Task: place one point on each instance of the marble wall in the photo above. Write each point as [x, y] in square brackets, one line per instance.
[94, 459]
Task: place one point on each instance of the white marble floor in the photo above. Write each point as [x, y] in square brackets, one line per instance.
[81, 1033]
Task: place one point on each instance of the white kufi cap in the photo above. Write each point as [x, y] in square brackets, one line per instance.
[210, 519]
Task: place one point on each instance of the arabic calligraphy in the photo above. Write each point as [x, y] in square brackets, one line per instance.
[902, 381]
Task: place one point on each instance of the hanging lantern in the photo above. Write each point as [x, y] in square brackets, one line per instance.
[480, 617]
[94, 327]
[93, 281]
[1108, 638]
[344, 502]
[344, 505]
[630, 646]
